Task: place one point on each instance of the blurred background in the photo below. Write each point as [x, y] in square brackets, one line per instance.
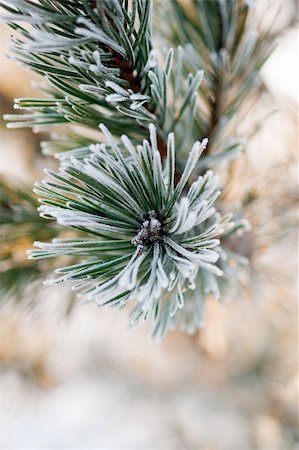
[77, 378]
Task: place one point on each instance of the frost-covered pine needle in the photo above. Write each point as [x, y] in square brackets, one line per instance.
[147, 242]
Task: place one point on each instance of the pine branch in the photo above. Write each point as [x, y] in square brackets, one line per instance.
[222, 39]
[101, 67]
[151, 245]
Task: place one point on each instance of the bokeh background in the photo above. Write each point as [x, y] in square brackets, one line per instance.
[77, 378]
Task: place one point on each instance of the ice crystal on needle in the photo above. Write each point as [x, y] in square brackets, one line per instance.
[153, 238]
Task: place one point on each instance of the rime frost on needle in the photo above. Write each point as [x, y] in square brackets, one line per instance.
[154, 241]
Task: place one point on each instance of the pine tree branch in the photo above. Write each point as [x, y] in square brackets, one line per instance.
[102, 81]
[149, 242]
[222, 40]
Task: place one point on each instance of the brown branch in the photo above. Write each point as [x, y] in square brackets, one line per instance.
[127, 73]
[118, 61]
